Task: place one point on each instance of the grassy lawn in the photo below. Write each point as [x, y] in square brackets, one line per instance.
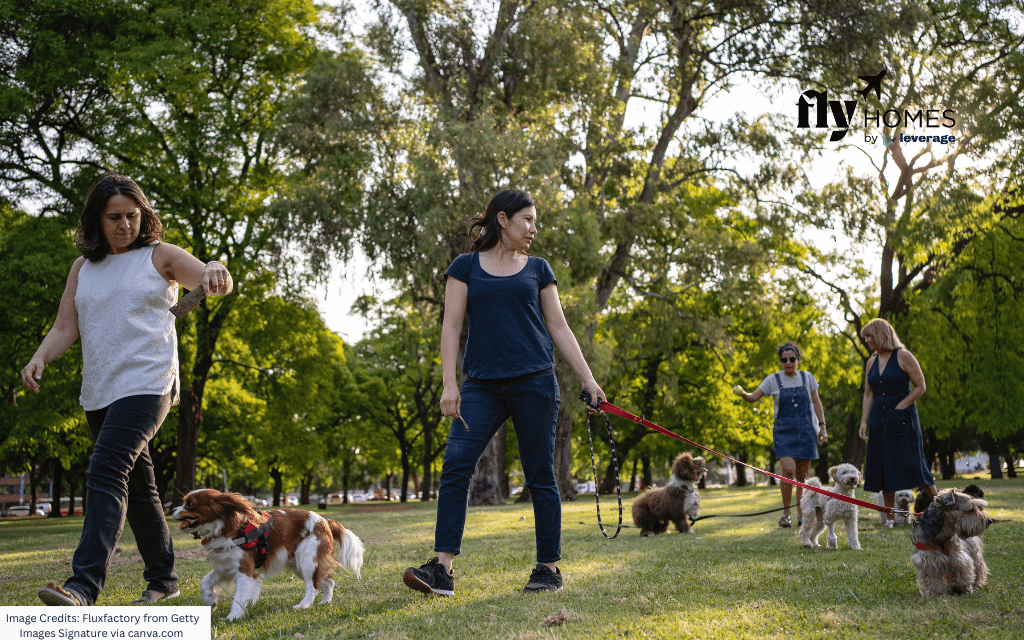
[735, 578]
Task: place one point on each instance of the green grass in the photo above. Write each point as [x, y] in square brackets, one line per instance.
[735, 578]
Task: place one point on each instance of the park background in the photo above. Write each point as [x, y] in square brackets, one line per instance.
[692, 225]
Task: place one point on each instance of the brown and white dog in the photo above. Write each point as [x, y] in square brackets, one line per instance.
[302, 540]
[655, 508]
[948, 555]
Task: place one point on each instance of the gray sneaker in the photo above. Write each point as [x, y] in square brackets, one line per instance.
[55, 595]
[431, 578]
[544, 579]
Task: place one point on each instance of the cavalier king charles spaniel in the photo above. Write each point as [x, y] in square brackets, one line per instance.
[247, 546]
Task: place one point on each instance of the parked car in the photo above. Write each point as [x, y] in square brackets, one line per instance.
[358, 497]
[20, 511]
[335, 498]
[291, 501]
[259, 502]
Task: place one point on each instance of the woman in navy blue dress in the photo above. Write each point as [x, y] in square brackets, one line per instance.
[515, 319]
[895, 457]
[799, 423]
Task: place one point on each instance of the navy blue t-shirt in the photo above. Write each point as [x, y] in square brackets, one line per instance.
[507, 336]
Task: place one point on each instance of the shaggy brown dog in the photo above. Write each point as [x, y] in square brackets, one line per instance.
[655, 508]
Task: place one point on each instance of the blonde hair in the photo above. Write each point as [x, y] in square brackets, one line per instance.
[884, 335]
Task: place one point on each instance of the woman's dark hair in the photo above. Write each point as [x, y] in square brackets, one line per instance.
[790, 346]
[511, 201]
[90, 239]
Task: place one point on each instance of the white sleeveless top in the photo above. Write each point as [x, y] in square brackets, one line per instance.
[129, 345]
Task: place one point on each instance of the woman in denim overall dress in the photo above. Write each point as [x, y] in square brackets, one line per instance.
[797, 410]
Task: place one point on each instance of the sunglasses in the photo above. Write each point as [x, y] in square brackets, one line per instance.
[789, 359]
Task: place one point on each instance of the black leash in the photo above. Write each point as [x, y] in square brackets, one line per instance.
[585, 397]
[738, 515]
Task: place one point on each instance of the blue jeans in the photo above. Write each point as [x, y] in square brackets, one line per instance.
[121, 484]
[532, 403]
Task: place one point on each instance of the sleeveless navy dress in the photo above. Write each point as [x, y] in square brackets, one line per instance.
[793, 435]
[895, 457]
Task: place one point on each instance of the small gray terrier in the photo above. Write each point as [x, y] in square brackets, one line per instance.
[821, 511]
[948, 558]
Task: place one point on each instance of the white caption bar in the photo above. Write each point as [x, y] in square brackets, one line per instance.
[72, 623]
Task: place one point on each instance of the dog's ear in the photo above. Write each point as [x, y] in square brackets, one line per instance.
[832, 473]
[947, 498]
[930, 521]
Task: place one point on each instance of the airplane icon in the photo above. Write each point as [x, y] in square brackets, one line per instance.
[874, 82]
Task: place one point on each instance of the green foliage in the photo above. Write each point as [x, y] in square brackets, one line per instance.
[35, 258]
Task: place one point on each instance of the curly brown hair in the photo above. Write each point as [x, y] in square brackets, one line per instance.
[90, 239]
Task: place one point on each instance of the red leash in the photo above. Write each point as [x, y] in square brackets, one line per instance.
[622, 413]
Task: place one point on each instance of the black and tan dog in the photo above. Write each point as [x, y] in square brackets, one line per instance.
[655, 508]
[948, 555]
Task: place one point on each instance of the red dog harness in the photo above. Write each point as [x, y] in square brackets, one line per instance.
[944, 548]
[254, 537]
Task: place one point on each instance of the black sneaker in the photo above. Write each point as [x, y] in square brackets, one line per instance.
[430, 578]
[544, 579]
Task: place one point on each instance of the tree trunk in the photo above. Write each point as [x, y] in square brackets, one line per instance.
[485, 485]
[344, 481]
[632, 478]
[648, 477]
[854, 448]
[190, 415]
[428, 460]
[563, 441]
[387, 491]
[307, 482]
[58, 480]
[406, 470]
[947, 463]
[1011, 471]
[821, 467]
[525, 495]
[741, 471]
[995, 464]
[275, 473]
[771, 465]
[85, 494]
[71, 495]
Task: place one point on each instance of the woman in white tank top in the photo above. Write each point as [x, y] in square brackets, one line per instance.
[117, 299]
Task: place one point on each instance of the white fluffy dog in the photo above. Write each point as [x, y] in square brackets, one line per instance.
[904, 500]
[820, 511]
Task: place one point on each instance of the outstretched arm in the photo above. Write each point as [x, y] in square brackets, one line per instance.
[61, 336]
[564, 339]
[756, 395]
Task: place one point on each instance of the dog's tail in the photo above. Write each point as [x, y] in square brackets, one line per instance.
[348, 547]
[813, 481]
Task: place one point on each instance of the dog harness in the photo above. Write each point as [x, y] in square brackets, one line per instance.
[254, 537]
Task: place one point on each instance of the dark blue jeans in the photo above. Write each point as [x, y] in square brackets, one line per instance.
[121, 483]
[532, 403]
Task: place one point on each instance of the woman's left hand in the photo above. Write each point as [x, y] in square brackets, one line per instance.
[822, 436]
[596, 394]
[215, 278]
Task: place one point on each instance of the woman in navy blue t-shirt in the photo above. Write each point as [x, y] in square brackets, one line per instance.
[511, 301]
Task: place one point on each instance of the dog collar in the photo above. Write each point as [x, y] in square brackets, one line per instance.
[944, 548]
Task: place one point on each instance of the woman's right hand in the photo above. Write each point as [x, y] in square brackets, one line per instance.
[33, 371]
[863, 432]
[451, 402]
